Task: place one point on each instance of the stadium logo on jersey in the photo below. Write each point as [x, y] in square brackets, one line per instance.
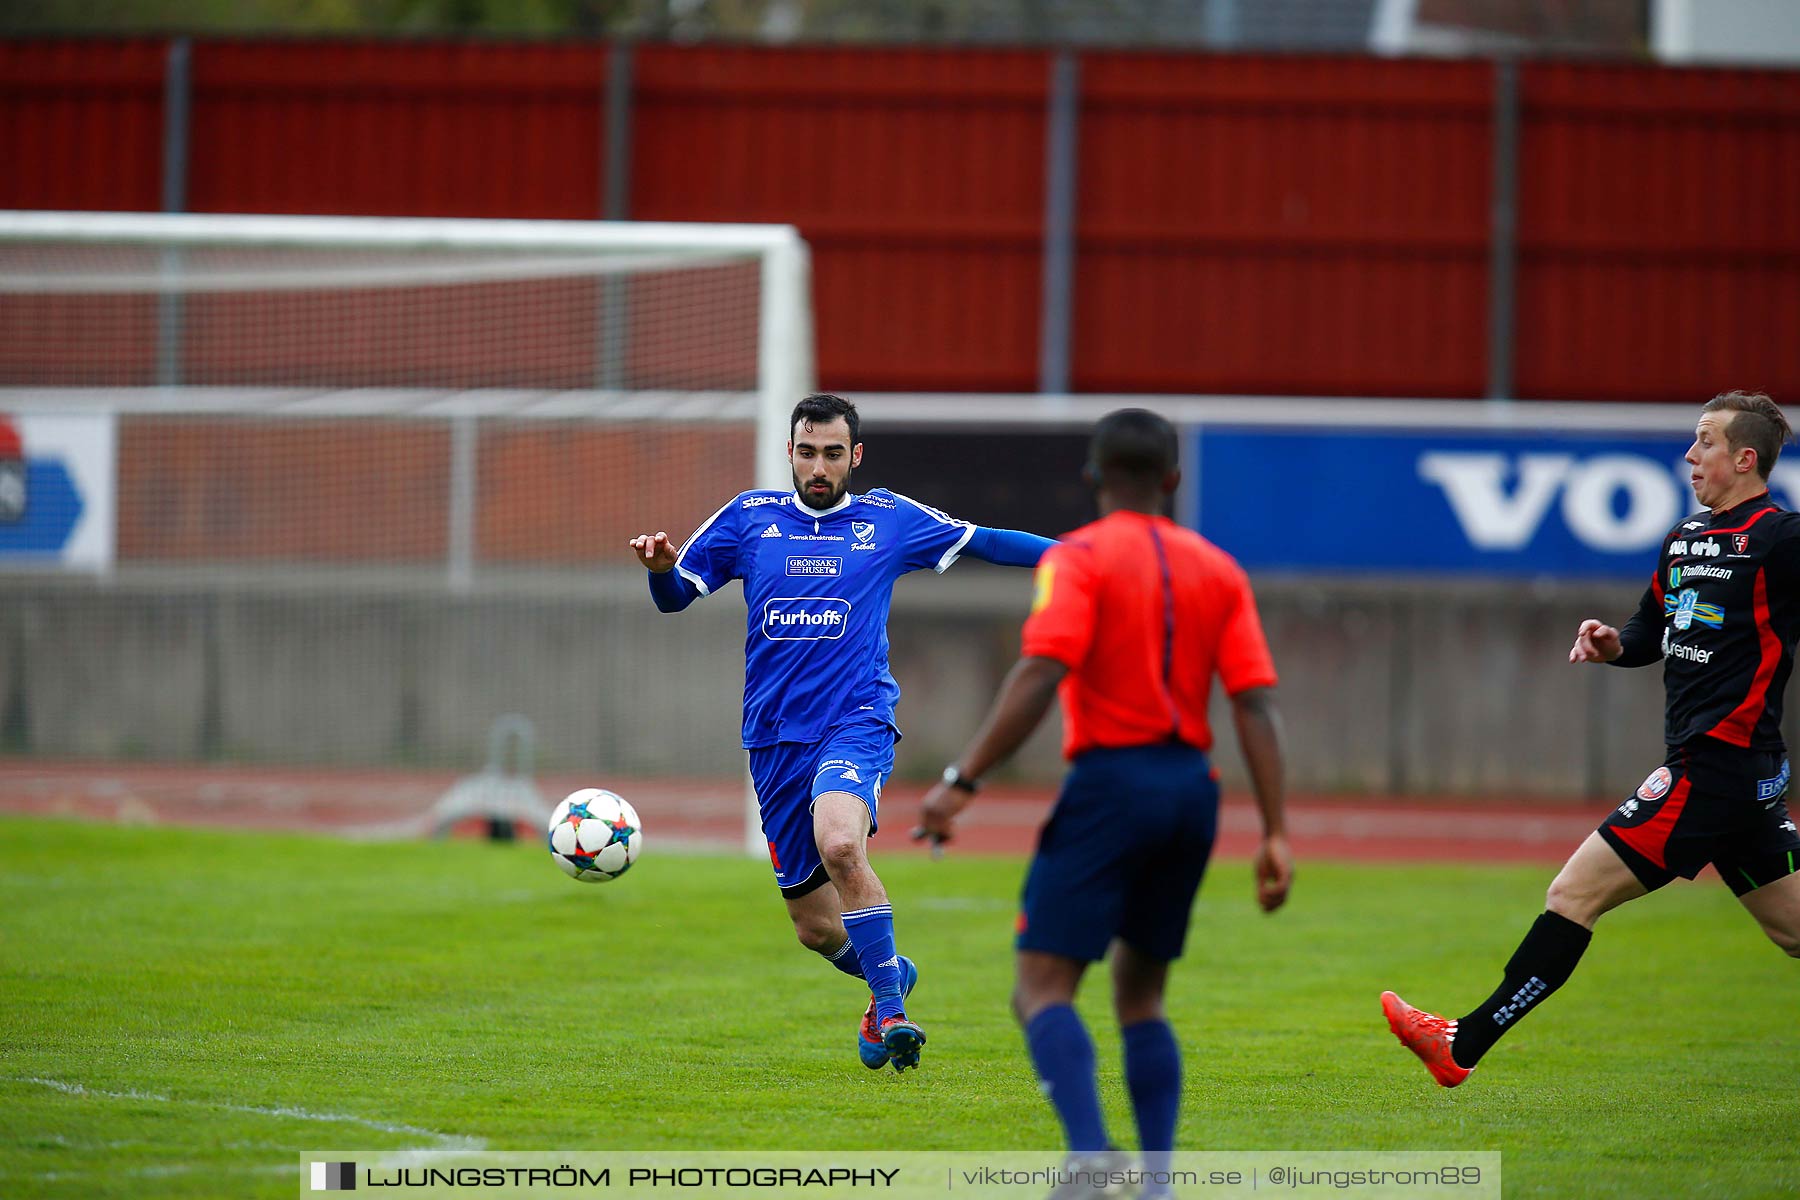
[753, 501]
[813, 567]
[1741, 541]
[772, 531]
[1686, 608]
[864, 531]
[803, 618]
[1655, 787]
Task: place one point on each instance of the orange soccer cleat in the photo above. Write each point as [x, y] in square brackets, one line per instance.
[1426, 1035]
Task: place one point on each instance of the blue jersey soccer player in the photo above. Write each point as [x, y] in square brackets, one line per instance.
[818, 566]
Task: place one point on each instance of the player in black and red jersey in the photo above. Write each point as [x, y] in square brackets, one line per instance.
[1723, 614]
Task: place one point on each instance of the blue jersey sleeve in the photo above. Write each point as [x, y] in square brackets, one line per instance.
[671, 592]
[709, 558]
[930, 538]
[1007, 547]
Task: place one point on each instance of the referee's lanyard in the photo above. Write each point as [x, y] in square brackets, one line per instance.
[1168, 654]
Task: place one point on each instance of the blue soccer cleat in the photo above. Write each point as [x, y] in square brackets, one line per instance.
[869, 1046]
[902, 1039]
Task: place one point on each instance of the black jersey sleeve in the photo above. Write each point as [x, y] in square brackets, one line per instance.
[1641, 640]
[1783, 563]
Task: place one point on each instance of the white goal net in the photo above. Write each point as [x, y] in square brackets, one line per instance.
[345, 492]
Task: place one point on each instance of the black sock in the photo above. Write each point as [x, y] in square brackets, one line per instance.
[1542, 963]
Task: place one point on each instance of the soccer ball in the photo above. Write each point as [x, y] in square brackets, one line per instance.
[595, 835]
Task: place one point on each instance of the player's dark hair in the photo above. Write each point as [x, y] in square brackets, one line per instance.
[1132, 446]
[1758, 424]
[821, 408]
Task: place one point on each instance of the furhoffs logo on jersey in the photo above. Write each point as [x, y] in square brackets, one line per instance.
[1741, 541]
[805, 618]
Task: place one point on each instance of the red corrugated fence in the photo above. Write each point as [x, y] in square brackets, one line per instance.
[1256, 224]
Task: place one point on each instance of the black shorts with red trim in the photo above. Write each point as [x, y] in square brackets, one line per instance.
[1709, 803]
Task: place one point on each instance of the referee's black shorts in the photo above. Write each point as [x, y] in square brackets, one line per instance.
[1708, 803]
[1122, 854]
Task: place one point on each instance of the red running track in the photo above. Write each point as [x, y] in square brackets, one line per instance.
[394, 803]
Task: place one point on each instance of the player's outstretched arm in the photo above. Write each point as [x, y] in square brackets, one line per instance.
[1258, 724]
[1595, 642]
[657, 554]
[1007, 547]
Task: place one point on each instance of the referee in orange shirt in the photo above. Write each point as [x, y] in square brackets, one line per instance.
[1133, 617]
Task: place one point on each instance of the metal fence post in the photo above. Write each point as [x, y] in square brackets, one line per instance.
[177, 95]
[1503, 231]
[615, 205]
[1060, 149]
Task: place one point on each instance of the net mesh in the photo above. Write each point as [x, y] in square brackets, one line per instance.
[368, 502]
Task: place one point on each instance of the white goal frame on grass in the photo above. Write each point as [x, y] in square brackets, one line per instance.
[784, 352]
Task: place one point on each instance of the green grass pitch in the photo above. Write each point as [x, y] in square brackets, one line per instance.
[182, 1012]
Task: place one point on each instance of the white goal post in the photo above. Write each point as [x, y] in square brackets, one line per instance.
[362, 485]
[515, 249]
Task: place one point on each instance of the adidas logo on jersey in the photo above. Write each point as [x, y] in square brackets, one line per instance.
[850, 774]
[772, 531]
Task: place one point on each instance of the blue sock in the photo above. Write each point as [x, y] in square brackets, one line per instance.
[872, 933]
[1064, 1056]
[844, 959]
[1153, 1077]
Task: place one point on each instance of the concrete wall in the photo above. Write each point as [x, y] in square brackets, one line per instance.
[1386, 688]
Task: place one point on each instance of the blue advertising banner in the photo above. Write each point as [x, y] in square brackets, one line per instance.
[1504, 503]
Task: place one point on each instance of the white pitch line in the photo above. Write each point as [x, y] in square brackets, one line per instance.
[444, 1141]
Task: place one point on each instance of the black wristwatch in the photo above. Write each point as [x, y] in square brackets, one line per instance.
[956, 779]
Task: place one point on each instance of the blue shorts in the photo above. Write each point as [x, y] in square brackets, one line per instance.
[856, 757]
[1122, 854]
